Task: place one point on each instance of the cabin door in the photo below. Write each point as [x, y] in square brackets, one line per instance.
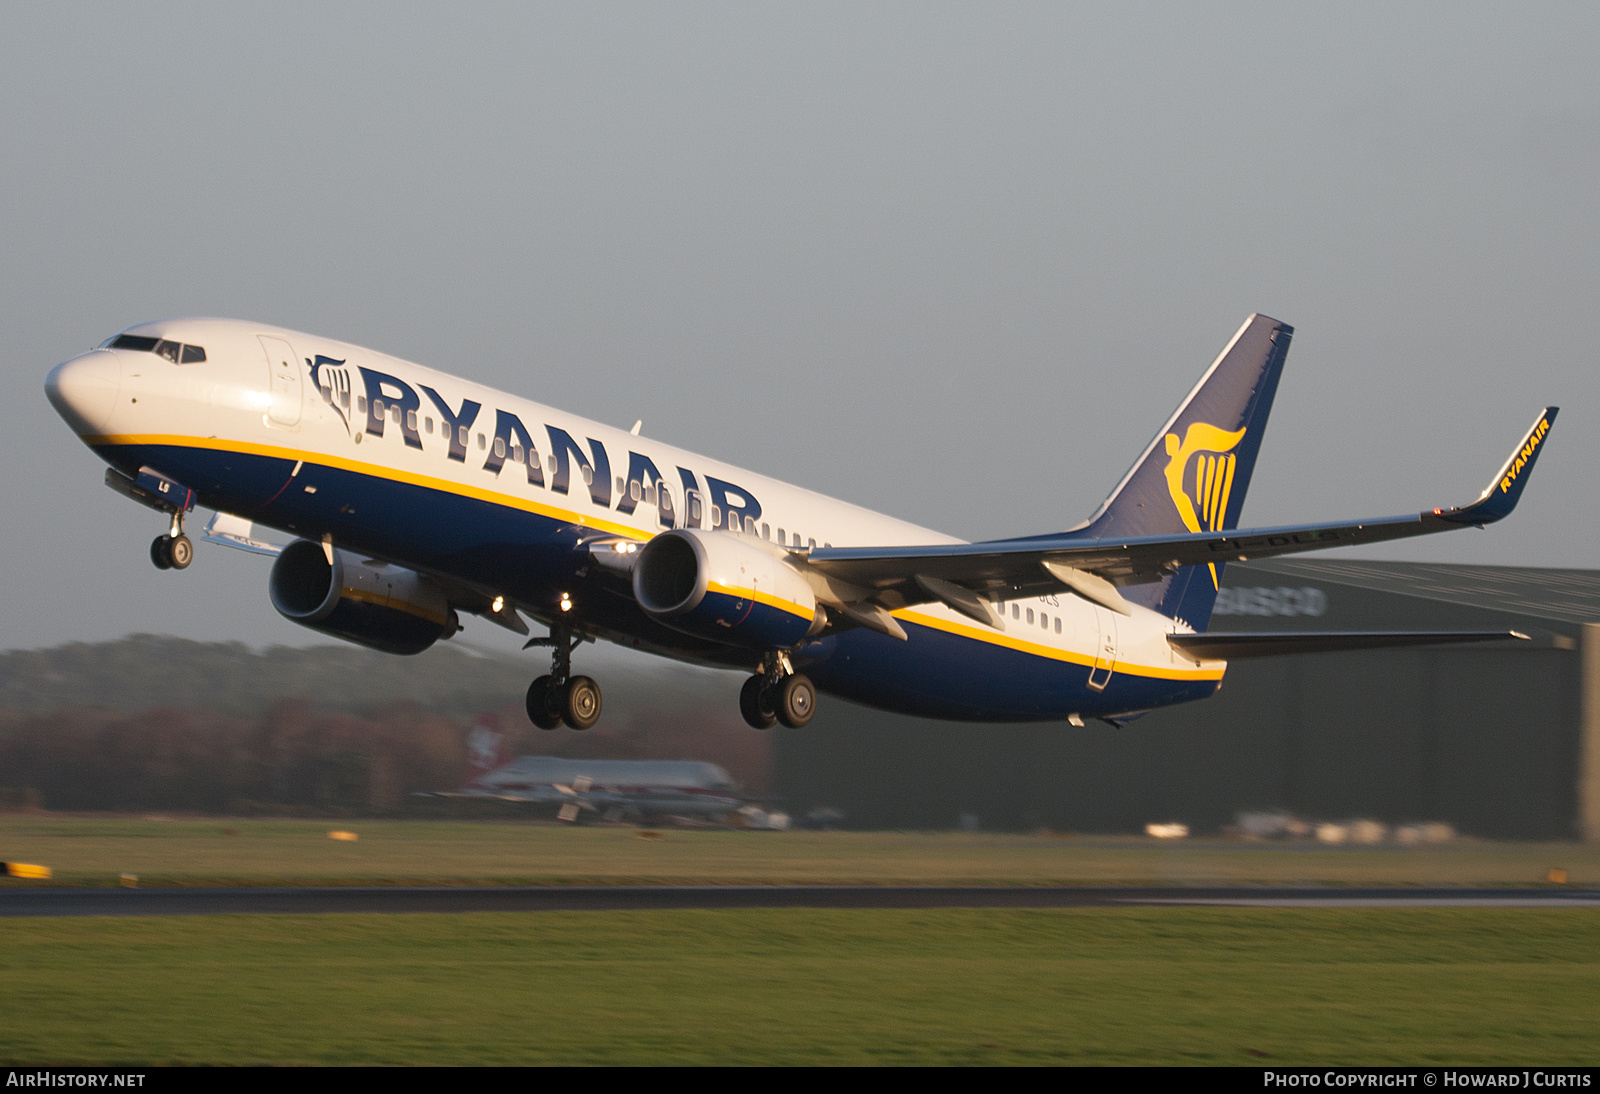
[283, 378]
[1105, 655]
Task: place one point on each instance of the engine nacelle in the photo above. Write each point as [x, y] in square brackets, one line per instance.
[721, 586]
[386, 607]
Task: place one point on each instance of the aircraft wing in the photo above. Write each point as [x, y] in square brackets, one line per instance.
[957, 573]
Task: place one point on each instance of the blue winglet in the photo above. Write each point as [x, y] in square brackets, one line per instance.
[1502, 495]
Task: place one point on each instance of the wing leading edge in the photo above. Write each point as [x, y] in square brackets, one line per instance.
[1094, 567]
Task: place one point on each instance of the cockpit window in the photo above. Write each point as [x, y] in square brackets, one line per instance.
[176, 352]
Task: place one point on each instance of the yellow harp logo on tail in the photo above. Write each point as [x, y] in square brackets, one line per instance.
[1202, 497]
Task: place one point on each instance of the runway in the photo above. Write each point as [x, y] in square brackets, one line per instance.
[52, 901]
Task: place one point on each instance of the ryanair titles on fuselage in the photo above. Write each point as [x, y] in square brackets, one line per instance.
[391, 402]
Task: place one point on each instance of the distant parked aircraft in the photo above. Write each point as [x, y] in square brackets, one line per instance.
[637, 790]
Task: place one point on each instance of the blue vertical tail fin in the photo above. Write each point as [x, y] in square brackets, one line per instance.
[1194, 475]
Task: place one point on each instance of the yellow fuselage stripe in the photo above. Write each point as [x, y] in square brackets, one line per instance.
[1053, 653]
[760, 597]
[381, 471]
[511, 501]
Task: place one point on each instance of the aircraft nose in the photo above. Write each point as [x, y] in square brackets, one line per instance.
[84, 389]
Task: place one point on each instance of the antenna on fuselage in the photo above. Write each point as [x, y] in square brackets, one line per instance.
[638, 425]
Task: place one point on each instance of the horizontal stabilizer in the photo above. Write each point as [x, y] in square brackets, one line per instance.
[1241, 645]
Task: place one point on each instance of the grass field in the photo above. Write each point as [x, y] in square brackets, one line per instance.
[95, 850]
[1202, 986]
[1085, 985]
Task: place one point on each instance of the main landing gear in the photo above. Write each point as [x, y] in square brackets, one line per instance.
[561, 696]
[777, 694]
[172, 551]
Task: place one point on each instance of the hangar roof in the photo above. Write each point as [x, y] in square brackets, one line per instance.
[1571, 596]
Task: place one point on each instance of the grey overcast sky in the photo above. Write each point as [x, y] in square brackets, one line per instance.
[952, 261]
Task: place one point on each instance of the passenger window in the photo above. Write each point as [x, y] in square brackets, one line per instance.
[716, 517]
[516, 453]
[344, 399]
[693, 499]
[1016, 611]
[429, 423]
[1030, 615]
[193, 355]
[766, 531]
[1058, 624]
[361, 404]
[650, 495]
[411, 420]
[552, 463]
[464, 436]
[482, 442]
[500, 448]
[394, 412]
[621, 486]
[377, 408]
[635, 491]
[781, 540]
[811, 545]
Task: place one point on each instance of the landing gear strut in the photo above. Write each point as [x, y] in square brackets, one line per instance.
[172, 551]
[561, 696]
[777, 694]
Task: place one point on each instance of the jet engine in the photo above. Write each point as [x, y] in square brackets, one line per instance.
[375, 604]
[724, 587]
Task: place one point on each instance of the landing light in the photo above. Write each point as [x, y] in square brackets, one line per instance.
[498, 605]
[566, 602]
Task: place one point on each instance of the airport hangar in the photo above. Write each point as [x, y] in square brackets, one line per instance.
[1500, 740]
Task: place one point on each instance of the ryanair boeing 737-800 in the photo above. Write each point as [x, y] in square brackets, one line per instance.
[417, 496]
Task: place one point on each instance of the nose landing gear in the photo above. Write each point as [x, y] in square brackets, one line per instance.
[172, 551]
[561, 697]
[777, 694]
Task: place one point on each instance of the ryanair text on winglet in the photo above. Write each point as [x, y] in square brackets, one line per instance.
[1525, 454]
